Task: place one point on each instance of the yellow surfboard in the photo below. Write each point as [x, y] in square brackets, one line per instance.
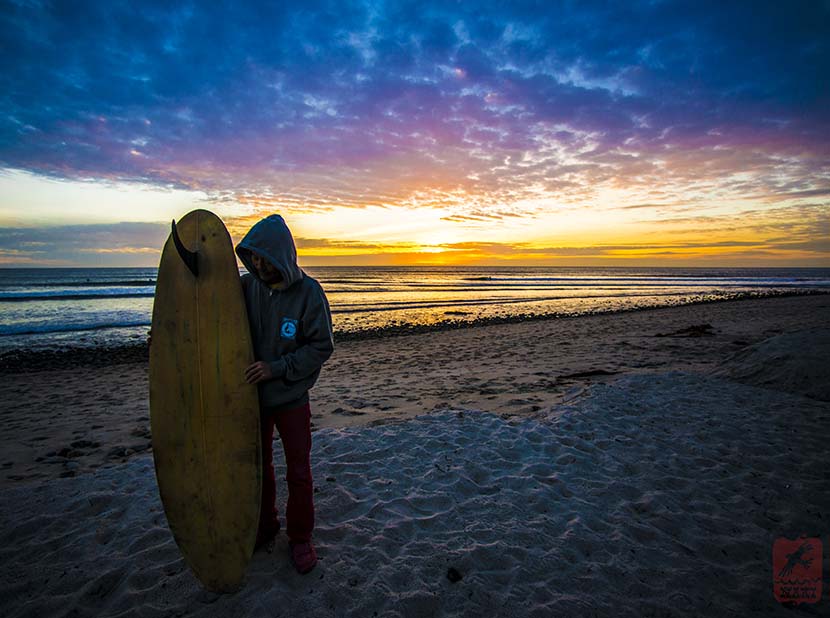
[204, 416]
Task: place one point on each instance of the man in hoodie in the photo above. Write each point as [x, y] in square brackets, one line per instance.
[292, 336]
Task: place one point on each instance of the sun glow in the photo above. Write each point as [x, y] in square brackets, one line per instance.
[616, 227]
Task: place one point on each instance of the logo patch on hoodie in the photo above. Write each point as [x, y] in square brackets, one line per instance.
[288, 330]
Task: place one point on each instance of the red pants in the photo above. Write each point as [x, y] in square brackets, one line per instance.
[294, 427]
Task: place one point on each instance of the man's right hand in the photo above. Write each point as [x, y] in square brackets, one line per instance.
[260, 371]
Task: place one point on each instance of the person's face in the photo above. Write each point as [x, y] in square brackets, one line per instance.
[265, 269]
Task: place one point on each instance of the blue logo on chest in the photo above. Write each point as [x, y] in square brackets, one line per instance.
[288, 330]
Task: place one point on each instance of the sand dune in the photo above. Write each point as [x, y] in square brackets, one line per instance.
[793, 362]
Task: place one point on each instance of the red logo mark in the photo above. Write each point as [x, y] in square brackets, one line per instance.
[796, 570]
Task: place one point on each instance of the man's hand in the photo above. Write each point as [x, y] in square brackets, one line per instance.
[258, 372]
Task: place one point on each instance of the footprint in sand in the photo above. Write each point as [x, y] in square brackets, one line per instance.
[345, 412]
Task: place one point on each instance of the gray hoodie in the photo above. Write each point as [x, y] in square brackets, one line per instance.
[290, 322]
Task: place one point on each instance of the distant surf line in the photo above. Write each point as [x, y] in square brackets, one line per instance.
[46, 296]
[400, 305]
[6, 331]
[80, 284]
[51, 297]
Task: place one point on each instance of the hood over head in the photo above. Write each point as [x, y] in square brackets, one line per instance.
[271, 239]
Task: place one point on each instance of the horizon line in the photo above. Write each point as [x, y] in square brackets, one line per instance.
[415, 266]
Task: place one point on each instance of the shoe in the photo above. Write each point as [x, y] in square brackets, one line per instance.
[265, 535]
[303, 556]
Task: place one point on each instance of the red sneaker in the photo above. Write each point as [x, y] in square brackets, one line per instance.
[303, 556]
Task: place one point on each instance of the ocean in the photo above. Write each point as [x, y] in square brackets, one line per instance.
[58, 308]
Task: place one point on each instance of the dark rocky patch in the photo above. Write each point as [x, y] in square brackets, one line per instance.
[589, 373]
[697, 330]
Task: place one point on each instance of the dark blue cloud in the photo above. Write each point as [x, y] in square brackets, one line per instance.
[100, 244]
[152, 92]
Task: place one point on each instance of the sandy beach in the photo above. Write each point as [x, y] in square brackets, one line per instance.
[632, 464]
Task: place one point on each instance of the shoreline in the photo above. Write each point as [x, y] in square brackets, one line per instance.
[21, 361]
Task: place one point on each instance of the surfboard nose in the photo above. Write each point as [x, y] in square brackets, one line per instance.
[190, 258]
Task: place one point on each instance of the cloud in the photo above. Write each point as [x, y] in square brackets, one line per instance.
[595, 250]
[350, 245]
[350, 102]
[140, 244]
[84, 244]
[795, 223]
[821, 246]
[699, 248]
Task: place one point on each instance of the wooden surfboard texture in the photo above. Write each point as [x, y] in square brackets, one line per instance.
[203, 415]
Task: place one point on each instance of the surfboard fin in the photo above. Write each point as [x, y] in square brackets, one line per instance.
[190, 258]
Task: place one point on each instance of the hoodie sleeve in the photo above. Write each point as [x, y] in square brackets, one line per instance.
[319, 345]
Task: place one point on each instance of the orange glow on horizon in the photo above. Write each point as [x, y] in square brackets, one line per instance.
[457, 227]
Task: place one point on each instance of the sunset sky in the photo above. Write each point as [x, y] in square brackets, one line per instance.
[553, 133]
